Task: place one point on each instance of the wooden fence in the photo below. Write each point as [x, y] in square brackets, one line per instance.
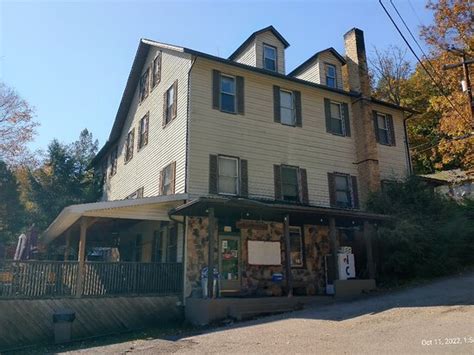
[43, 279]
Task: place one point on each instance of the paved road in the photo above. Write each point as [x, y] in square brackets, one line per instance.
[422, 319]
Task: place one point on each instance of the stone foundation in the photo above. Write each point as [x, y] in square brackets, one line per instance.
[256, 280]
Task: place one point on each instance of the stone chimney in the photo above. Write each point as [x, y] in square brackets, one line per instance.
[356, 78]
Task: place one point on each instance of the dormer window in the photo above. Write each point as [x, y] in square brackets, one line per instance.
[269, 57]
[331, 80]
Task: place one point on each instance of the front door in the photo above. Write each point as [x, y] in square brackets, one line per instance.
[229, 263]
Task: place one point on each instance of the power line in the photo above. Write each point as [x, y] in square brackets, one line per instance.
[469, 135]
[419, 61]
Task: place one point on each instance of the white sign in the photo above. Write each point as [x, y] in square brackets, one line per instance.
[264, 253]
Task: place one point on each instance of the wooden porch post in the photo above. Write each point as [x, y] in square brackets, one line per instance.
[68, 244]
[334, 245]
[81, 255]
[210, 264]
[368, 231]
[289, 281]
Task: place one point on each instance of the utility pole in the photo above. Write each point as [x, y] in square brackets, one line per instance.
[467, 87]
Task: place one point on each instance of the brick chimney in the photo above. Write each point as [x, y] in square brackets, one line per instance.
[356, 78]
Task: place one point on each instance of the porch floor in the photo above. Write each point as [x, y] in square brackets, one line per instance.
[203, 311]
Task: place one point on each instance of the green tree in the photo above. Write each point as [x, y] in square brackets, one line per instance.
[64, 179]
[11, 210]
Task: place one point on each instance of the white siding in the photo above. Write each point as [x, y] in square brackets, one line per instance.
[316, 72]
[393, 159]
[164, 144]
[255, 137]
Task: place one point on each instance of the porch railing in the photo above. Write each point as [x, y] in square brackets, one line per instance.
[43, 279]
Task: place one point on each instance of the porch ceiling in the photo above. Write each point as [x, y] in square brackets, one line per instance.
[151, 208]
[273, 211]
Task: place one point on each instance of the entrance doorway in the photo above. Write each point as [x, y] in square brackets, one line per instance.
[229, 263]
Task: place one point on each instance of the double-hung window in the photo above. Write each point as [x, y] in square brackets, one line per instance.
[167, 180]
[343, 190]
[287, 108]
[170, 103]
[129, 146]
[289, 183]
[228, 180]
[383, 130]
[331, 80]
[156, 76]
[296, 247]
[228, 97]
[144, 87]
[143, 131]
[269, 57]
[113, 161]
[337, 120]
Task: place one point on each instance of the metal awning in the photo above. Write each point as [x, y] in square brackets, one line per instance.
[150, 208]
[226, 207]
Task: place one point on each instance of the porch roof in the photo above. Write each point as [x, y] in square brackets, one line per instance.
[150, 208]
[269, 210]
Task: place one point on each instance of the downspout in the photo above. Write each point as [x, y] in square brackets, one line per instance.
[407, 146]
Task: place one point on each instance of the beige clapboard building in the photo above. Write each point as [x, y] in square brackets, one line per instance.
[270, 167]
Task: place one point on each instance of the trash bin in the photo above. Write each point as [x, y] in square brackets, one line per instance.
[62, 321]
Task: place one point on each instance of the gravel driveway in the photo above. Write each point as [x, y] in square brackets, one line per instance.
[433, 318]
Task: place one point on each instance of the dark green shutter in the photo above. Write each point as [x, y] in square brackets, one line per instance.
[276, 104]
[332, 189]
[304, 197]
[277, 181]
[213, 174]
[376, 126]
[299, 118]
[327, 112]
[216, 87]
[391, 130]
[244, 178]
[355, 192]
[347, 123]
[240, 95]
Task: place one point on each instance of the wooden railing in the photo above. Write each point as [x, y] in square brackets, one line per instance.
[42, 279]
[31, 279]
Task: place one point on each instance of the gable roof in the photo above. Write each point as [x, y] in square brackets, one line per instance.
[140, 58]
[252, 37]
[310, 60]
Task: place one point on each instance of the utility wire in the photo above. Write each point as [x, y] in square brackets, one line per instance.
[421, 63]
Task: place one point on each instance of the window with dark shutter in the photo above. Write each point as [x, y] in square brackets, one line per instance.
[337, 118]
[144, 85]
[167, 179]
[290, 189]
[228, 175]
[156, 76]
[113, 161]
[129, 146]
[384, 130]
[343, 190]
[143, 131]
[170, 103]
[213, 174]
[244, 178]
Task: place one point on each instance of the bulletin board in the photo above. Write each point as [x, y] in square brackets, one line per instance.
[264, 253]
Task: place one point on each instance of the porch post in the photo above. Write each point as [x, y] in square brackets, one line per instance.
[210, 264]
[334, 246]
[289, 281]
[81, 255]
[368, 231]
[68, 244]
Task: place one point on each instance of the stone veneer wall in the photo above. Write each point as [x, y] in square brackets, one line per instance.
[256, 279]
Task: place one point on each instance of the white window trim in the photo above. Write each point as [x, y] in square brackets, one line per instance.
[332, 77]
[237, 189]
[385, 119]
[226, 93]
[341, 118]
[167, 168]
[169, 107]
[276, 57]
[349, 188]
[298, 187]
[293, 109]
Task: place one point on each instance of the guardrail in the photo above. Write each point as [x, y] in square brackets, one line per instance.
[44, 279]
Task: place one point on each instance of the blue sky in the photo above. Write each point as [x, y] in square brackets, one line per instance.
[71, 60]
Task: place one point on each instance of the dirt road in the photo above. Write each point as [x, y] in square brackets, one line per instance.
[434, 318]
